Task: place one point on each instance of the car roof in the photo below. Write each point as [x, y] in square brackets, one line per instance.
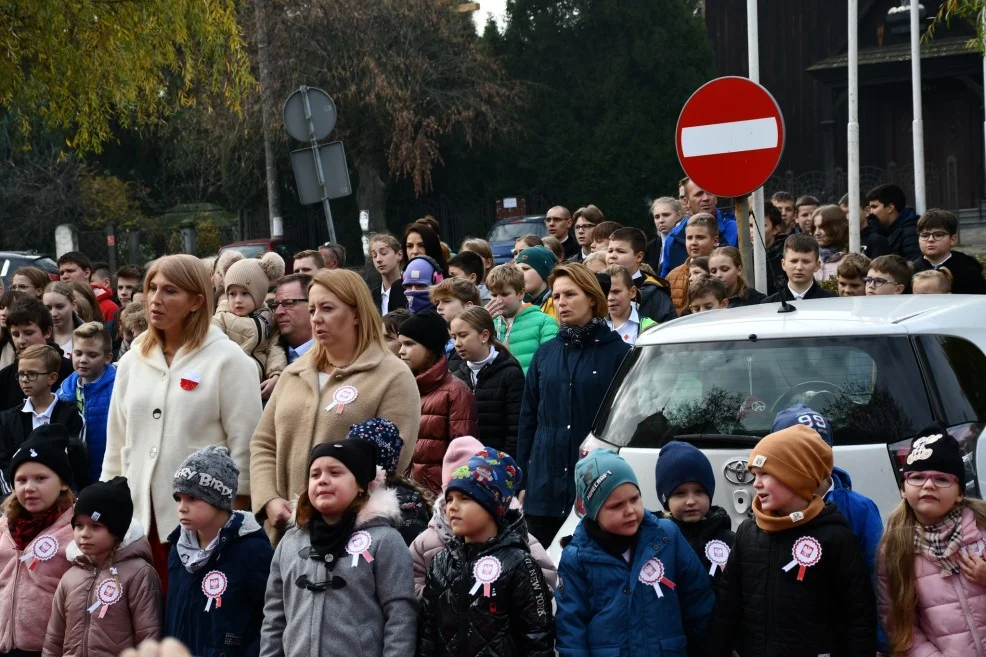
[882, 315]
[257, 242]
[22, 254]
[528, 219]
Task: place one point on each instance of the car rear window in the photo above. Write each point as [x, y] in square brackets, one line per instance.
[869, 388]
[515, 230]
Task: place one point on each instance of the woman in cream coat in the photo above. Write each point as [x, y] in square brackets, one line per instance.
[183, 385]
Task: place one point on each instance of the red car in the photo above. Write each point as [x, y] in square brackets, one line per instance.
[254, 248]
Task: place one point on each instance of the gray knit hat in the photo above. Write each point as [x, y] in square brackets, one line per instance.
[209, 475]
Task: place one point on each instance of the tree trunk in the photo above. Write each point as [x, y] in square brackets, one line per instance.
[270, 160]
[372, 193]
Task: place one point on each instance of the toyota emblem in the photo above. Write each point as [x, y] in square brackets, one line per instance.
[736, 473]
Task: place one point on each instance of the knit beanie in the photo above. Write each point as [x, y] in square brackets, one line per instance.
[421, 271]
[208, 475]
[458, 454]
[797, 457]
[428, 329]
[359, 457]
[255, 276]
[108, 502]
[679, 463]
[597, 475]
[801, 414]
[540, 259]
[384, 434]
[490, 477]
[47, 445]
[935, 449]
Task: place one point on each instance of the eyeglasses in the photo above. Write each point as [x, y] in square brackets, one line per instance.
[934, 235]
[580, 228]
[876, 282]
[287, 303]
[938, 479]
[30, 376]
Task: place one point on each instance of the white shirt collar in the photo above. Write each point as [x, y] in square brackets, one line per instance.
[798, 295]
[630, 329]
[29, 408]
[940, 264]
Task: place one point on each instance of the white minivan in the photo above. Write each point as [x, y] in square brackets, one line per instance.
[879, 369]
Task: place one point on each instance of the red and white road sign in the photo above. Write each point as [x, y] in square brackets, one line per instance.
[730, 136]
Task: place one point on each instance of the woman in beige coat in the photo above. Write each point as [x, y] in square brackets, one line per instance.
[347, 377]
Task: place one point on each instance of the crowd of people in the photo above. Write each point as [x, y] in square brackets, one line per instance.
[259, 462]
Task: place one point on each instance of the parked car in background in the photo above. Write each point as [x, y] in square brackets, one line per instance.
[879, 369]
[258, 247]
[11, 261]
[505, 233]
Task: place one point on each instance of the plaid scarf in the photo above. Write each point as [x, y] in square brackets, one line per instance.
[941, 541]
[580, 336]
[28, 527]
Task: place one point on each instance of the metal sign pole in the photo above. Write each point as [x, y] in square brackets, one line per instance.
[318, 165]
[918, 125]
[759, 252]
[852, 129]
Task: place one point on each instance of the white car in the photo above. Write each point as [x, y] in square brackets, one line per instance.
[879, 369]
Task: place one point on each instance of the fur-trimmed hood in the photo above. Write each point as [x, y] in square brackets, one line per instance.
[131, 547]
[382, 508]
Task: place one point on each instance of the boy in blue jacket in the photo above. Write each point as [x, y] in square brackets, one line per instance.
[628, 582]
[90, 387]
[219, 561]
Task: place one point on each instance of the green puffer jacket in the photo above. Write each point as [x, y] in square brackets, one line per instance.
[530, 328]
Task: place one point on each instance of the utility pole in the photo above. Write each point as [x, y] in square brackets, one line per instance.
[917, 128]
[270, 161]
[852, 129]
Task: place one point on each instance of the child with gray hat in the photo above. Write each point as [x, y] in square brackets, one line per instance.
[219, 561]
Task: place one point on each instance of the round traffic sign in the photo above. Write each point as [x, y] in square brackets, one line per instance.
[730, 136]
[323, 111]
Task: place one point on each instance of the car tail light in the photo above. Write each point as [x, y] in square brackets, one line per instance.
[967, 435]
[591, 442]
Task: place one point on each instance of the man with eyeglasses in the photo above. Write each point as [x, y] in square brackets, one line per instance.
[937, 234]
[559, 223]
[290, 306]
[585, 220]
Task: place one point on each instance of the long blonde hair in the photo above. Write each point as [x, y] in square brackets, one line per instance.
[352, 291]
[897, 552]
[190, 274]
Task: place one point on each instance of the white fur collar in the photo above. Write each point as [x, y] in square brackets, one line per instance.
[382, 505]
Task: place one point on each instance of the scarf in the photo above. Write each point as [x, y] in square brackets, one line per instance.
[941, 541]
[27, 527]
[442, 527]
[476, 366]
[612, 543]
[770, 523]
[192, 556]
[418, 300]
[331, 539]
[580, 336]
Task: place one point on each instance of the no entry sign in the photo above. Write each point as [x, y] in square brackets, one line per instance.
[730, 136]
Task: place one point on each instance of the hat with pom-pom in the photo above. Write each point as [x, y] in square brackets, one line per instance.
[226, 260]
[255, 275]
[386, 436]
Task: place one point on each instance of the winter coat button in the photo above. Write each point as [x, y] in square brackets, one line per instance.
[329, 558]
[626, 591]
[664, 538]
[156, 414]
[338, 377]
[153, 452]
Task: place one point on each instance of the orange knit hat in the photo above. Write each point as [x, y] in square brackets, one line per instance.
[797, 457]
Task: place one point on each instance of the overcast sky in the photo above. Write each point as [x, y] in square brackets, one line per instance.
[486, 7]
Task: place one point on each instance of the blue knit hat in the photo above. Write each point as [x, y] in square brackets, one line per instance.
[384, 434]
[679, 463]
[801, 414]
[540, 259]
[490, 478]
[597, 475]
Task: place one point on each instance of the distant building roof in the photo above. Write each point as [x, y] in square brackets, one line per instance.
[900, 53]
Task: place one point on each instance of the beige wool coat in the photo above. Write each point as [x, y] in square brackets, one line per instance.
[300, 415]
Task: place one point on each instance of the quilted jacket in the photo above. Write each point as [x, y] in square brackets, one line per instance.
[257, 336]
[716, 526]
[529, 330]
[448, 411]
[678, 280]
[499, 390]
[951, 611]
[764, 610]
[514, 620]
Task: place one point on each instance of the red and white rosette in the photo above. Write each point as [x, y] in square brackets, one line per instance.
[109, 592]
[652, 574]
[344, 395]
[718, 553]
[486, 571]
[43, 549]
[359, 544]
[213, 586]
[807, 552]
[190, 381]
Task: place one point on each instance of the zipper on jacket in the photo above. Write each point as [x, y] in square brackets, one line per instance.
[13, 601]
[85, 627]
[973, 630]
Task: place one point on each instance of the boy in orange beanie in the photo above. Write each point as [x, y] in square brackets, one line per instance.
[796, 582]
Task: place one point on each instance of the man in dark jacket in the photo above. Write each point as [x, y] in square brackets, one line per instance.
[897, 222]
[938, 233]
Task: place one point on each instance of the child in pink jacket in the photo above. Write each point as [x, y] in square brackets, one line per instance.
[434, 539]
[932, 569]
[34, 533]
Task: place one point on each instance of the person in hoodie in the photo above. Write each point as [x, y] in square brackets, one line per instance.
[796, 581]
[629, 582]
[932, 566]
[685, 486]
[421, 274]
[492, 374]
[343, 564]
[219, 561]
[439, 535]
[697, 201]
[35, 531]
[110, 599]
[448, 407]
[415, 500]
[485, 596]
[896, 221]
[627, 247]
[937, 234]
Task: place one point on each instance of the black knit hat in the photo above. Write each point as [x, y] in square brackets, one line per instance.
[108, 502]
[359, 457]
[935, 449]
[47, 445]
[428, 329]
